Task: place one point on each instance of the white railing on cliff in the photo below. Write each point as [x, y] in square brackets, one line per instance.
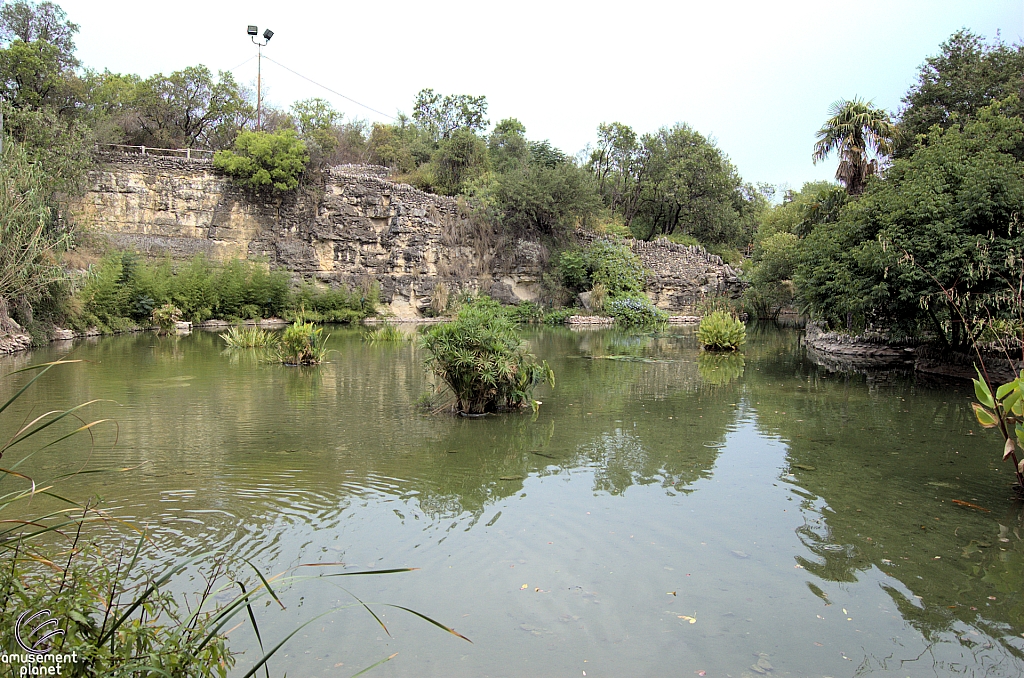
[187, 153]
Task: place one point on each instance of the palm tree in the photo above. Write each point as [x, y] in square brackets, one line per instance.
[852, 129]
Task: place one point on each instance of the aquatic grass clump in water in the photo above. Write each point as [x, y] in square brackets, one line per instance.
[721, 331]
[302, 344]
[249, 337]
[386, 333]
[482, 359]
[166, 318]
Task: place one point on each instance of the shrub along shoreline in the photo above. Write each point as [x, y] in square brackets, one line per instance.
[120, 292]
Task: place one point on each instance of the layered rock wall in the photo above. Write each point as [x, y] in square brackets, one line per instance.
[360, 228]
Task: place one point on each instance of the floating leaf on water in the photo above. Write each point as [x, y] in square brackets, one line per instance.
[524, 586]
[684, 617]
[818, 592]
[535, 630]
[961, 502]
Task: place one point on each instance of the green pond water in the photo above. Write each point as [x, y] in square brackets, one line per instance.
[662, 514]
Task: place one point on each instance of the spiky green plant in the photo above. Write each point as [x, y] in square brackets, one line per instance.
[249, 337]
[721, 331]
[482, 359]
[302, 344]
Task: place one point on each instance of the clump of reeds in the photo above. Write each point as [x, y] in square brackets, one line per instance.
[386, 333]
[249, 337]
[301, 344]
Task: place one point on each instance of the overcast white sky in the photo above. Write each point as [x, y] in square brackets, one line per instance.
[758, 76]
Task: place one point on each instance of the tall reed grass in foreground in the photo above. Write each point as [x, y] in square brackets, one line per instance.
[113, 614]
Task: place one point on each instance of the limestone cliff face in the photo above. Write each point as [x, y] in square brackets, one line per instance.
[360, 228]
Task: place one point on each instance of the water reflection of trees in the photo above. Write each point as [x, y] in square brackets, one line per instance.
[628, 422]
[887, 456]
[252, 444]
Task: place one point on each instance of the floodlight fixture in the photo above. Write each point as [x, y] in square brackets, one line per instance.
[254, 32]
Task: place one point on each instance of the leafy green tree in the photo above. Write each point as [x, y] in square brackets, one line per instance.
[507, 146]
[42, 22]
[189, 108]
[402, 146]
[263, 160]
[823, 206]
[614, 162]
[37, 61]
[686, 185]
[110, 104]
[953, 86]
[459, 158]
[933, 245]
[778, 244]
[545, 200]
[854, 130]
[440, 115]
[544, 154]
[32, 76]
[317, 120]
[59, 146]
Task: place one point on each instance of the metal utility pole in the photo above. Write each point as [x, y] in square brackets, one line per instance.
[253, 31]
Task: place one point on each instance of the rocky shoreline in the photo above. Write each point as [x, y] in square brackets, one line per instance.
[871, 352]
[16, 339]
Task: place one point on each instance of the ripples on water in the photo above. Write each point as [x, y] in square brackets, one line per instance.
[665, 513]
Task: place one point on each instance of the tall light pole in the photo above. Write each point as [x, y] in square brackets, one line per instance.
[253, 31]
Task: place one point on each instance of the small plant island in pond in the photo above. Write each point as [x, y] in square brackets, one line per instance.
[482, 360]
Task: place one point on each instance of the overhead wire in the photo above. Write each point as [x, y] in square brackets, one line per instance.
[242, 64]
[335, 92]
